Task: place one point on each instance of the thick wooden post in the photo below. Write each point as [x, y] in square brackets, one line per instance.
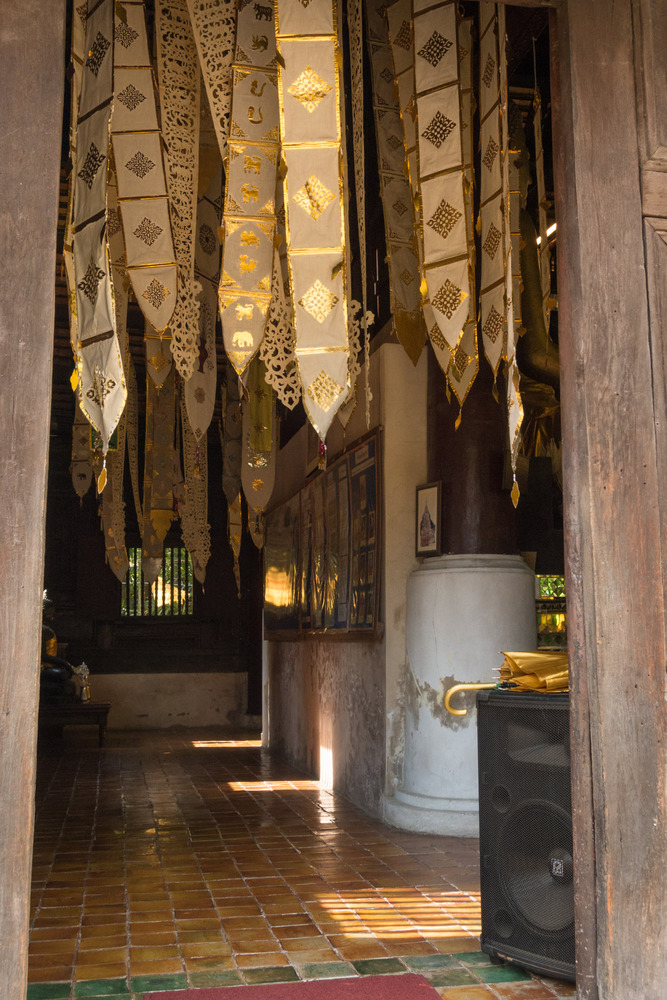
[609, 67]
[31, 82]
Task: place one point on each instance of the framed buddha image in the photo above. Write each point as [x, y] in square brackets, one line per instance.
[427, 525]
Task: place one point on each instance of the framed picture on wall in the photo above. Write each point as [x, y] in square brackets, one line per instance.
[427, 525]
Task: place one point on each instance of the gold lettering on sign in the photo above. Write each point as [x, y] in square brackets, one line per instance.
[254, 91]
[251, 115]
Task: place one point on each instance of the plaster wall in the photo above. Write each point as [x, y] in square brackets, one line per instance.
[335, 707]
[158, 701]
[326, 713]
[403, 416]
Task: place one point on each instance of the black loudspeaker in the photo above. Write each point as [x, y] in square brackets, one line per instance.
[525, 835]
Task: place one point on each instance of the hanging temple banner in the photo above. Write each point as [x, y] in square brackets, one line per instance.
[249, 221]
[101, 381]
[140, 173]
[138, 223]
[314, 191]
[400, 233]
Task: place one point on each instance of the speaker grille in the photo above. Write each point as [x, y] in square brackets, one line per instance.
[526, 829]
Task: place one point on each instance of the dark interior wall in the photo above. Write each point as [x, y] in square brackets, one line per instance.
[224, 633]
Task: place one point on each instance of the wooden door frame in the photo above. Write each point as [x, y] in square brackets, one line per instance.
[612, 295]
[32, 76]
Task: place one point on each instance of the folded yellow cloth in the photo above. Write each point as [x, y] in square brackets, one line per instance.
[536, 670]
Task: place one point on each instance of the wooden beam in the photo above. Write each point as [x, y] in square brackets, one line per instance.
[614, 475]
[32, 35]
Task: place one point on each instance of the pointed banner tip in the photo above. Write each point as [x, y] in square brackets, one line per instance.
[74, 380]
[102, 479]
[515, 493]
[457, 423]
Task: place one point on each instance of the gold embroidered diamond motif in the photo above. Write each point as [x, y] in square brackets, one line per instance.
[407, 277]
[448, 299]
[101, 387]
[394, 141]
[113, 223]
[90, 281]
[207, 240]
[318, 301]
[131, 97]
[490, 153]
[461, 361]
[487, 75]
[92, 163]
[437, 338]
[404, 36]
[147, 231]
[158, 361]
[492, 241]
[96, 55]
[314, 197]
[435, 48]
[140, 165]
[125, 35]
[155, 293]
[493, 326]
[439, 129]
[387, 75]
[444, 219]
[399, 207]
[309, 88]
[324, 391]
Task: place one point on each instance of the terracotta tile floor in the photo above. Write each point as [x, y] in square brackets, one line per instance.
[178, 859]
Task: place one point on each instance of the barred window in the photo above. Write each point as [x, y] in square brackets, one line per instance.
[170, 595]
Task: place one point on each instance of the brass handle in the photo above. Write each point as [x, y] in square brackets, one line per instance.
[462, 687]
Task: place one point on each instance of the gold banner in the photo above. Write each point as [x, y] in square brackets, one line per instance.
[193, 508]
[259, 443]
[493, 318]
[397, 203]
[200, 388]
[178, 73]
[313, 150]
[139, 165]
[214, 29]
[249, 224]
[101, 381]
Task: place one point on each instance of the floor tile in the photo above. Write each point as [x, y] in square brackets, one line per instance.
[274, 974]
[325, 970]
[102, 988]
[424, 963]
[144, 984]
[467, 993]
[452, 977]
[48, 991]
[228, 978]
[378, 966]
[190, 876]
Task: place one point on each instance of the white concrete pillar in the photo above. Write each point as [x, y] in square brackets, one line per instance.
[463, 611]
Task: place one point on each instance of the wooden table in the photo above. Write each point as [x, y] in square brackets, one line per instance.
[54, 716]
